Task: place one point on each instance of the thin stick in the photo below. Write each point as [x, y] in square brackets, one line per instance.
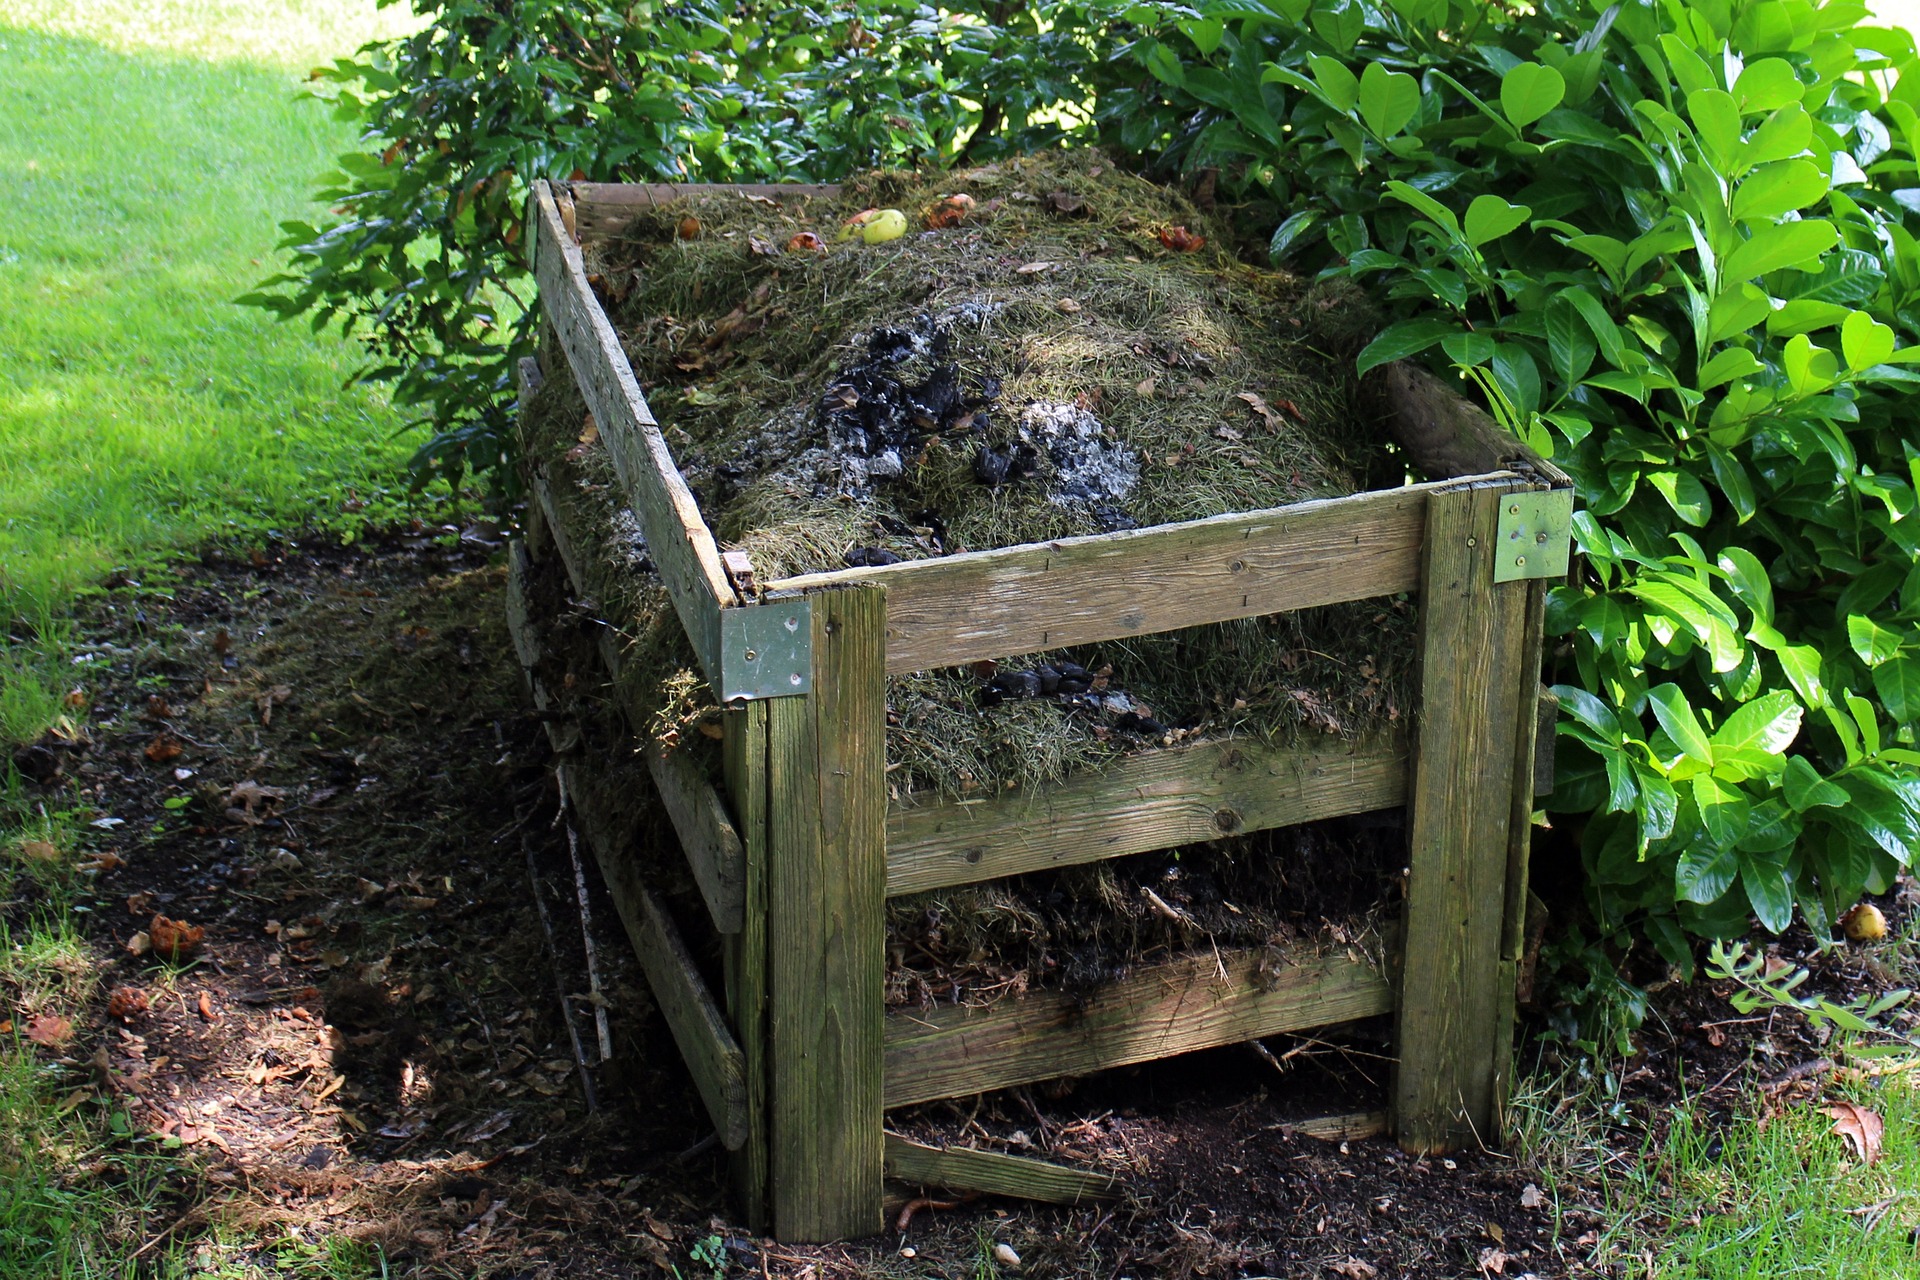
[586, 926]
[560, 983]
[586, 937]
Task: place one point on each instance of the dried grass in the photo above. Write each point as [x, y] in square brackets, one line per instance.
[1202, 371]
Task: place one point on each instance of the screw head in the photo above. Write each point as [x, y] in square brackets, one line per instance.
[751, 656]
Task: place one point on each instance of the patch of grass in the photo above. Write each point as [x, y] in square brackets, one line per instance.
[152, 148]
[1783, 1196]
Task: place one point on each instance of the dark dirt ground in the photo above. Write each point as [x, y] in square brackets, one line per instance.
[326, 758]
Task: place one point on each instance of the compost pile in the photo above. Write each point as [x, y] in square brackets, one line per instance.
[1053, 347]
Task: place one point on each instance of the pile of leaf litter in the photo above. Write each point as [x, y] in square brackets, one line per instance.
[1054, 347]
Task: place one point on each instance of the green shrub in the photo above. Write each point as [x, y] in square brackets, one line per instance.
[1670, 244]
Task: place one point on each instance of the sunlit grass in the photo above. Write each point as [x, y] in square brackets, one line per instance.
[150, 150]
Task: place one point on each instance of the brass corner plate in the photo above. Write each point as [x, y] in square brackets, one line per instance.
[1535, 537]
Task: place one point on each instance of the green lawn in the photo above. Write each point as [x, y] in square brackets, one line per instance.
[149, 148]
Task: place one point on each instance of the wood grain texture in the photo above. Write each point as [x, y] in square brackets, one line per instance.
[707, 836]
[1472, 669]
[745, 748]
[1150, 800]
[603, 209]
[996, 1174]
[826, 896]
[682, 548]
[997, 604]
[1196, 1002]
[1341, 1128]
[1513, 927]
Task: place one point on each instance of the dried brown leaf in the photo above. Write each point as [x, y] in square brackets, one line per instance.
[50, 1029]
[1860, 1127]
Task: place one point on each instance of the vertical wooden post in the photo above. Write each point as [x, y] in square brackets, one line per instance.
[746, 951]
[1513, 928]
[826, 896]
[1473, 650]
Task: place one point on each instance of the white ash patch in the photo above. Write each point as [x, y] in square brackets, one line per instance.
[974, 313]
[1090, 467]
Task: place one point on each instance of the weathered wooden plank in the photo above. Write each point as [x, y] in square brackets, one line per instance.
[682, 548]
[1341, 1128]
[997, 1174]
[826, 895]
[1151, 800]
[563, 734]
[603, 209]
[1473, 664]
[706, 832]
[746, 951]
[712, 1056]
[1546, 720]
[995, 604]
[699, 817]
[1526, 713]
[1194, 1003]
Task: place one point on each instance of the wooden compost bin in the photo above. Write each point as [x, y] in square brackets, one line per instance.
[797, 1059]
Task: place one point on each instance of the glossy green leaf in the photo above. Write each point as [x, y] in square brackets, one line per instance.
[1767, 85]
[1570, 342]
[1769, 890]
[1705, 872]
[1774, 190]
[1769, 723]
[1685, 494]
[1716, 122]
[1872, 643]
[1336, 81]
[1670, 707]
[1388, 99]
[1723, 810]
[1489, 217]
[1439, 213]
[1731, 363]
[1897, 681]
[1530, 90]
[1781, 136]
[1407, 338]
[1467, 348]
[1864, 341]
[1805, 789]
[1288, 232]
[1749, 580]
[1165, 64]
[1780, 246]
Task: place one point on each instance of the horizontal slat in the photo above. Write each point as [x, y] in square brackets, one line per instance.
[1193, 1003]
[712, 846]
[994, 1173]
[603, 209]
[712, 1056]
[1151, 800]
[996, 604]
[682, 548]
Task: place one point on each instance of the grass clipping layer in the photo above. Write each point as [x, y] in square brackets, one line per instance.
[1053, 364]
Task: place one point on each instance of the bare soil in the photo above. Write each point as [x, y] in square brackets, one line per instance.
[325, 758]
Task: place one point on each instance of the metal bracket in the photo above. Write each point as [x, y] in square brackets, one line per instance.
[1535, 535]
[766, 650]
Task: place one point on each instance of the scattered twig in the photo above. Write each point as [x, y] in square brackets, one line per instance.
[560, 983]
[586, 938]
